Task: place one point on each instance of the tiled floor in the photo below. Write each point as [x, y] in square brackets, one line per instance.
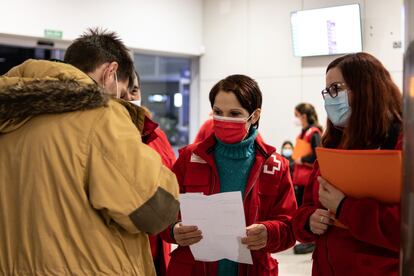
[294, 265]
[291, 264]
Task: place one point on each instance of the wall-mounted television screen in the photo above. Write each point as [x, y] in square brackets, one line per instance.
[327, 31]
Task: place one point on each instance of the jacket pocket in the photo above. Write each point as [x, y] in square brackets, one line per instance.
[268, 192]
[197, 179]
[182, 262]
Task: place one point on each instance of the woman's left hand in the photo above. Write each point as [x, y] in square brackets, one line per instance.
[256, 237]
[329, 196]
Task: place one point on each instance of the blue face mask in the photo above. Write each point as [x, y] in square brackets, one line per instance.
[287, 152]
[338, 108]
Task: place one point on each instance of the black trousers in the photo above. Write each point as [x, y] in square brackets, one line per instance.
[299, 194]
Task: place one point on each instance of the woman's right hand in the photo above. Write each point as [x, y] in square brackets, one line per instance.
[186, 235]
[320, 220]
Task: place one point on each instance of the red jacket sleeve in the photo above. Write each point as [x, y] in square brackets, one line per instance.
[373, 222]
[163, 147]
[279, 226]
[179, 170]
[205, 131]
[301, 218]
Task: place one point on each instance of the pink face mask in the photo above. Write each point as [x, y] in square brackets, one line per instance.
[231, 130]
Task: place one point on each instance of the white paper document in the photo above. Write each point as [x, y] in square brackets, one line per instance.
[220, 217]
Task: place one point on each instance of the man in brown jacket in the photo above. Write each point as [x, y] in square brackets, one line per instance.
[78, 188]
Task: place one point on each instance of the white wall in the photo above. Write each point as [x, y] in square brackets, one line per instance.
[173, 26]
[253, 37]
[236, 36]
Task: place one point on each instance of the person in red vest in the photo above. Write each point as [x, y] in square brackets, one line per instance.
[233, 158]
[307, 118]
[364, 108]
[154, 137]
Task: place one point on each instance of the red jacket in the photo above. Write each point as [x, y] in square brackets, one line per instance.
[269, 199]
[371, 245]
[302, 172]
[205, 131]
[154, 137]
[163, 147]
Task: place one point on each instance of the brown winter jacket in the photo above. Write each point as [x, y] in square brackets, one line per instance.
[78, 188]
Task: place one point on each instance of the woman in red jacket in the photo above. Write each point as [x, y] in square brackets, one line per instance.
[364, 112]
[234, 159]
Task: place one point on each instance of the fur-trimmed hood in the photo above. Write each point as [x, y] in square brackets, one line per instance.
[43, 87]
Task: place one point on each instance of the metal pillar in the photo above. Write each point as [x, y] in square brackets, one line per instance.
[407, 196]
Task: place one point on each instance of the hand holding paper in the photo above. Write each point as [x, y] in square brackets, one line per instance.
[256, 237]
[186, 235]
[220, 218]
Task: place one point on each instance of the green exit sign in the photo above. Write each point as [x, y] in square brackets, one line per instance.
[53, 34]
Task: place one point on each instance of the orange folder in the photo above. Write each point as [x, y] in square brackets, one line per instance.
[363, 173]
[302, 148]
[412, 87]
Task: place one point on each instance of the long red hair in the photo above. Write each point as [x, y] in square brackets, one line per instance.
[376, 104]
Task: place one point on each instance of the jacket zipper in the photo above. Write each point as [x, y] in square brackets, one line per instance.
[254, 183]
[255, 215]
[251, 188]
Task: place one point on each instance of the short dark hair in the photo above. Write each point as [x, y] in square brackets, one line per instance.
[287, 143]
[245, 89]
[96, 47]
[135, 76]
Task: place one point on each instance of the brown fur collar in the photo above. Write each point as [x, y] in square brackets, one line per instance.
[45, 96]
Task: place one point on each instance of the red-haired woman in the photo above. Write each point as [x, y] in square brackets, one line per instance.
[364, 112]
[233, 158]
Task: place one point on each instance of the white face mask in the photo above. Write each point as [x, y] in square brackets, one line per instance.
[136, 102]
[297, 122]
[117, 90]
[235, 120]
